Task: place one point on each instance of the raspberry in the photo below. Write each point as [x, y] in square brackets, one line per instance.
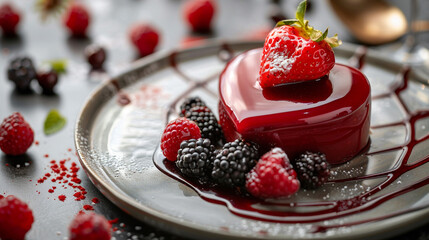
[16, 135]
[21, 71]
[199, 14]
[47, 81]
[207, 123]
[313, 169]
[175, 133]
[145, 38]
[233, 162]
[190, 103]
[90, 226]
[16, 218]
[77, 19]
[273, 176]
[194, 157]
[9, 19]
[96, 56]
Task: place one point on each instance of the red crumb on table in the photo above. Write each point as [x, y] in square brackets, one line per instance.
[36, 142]
[88, 207]
[113, 221]
[95, 200]
[69, 149]
[62, 198]
[50, 190]
[46, 155]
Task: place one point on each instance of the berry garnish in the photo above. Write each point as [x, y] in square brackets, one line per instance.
[21, 71]
[312, 169]
[16, 218]
[189, 103]
[9, 19]
[194, 157]
[77, 19]
[95, 56]
[207, 122]
[175, 133]
[145, 38]
[233, 162]
[90, 226]
[296, 52]
[273, 176]
[16, 135]
[47, 81]
[199, 14]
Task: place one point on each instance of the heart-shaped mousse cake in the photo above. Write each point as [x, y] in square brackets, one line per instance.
[330, 115]
[292, 95]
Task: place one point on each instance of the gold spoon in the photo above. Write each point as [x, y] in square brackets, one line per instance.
[371, 21]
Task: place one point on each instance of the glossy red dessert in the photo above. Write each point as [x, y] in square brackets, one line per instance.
[330, 115]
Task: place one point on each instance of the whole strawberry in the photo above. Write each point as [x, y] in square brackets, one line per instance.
[295, 52]
[273, 176]
[90, 226]
[145, 38]
[199, 14]
[16, 218]
[77, 19]
[175, 133]
[9, 19]
[16, 135]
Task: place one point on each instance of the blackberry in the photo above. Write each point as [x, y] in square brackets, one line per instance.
[21, 71]
[312, 169]
[189, 103]
[207, 122]
[194, 157]
[233, 162]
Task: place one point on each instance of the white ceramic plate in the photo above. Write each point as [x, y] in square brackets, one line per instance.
[119, 128]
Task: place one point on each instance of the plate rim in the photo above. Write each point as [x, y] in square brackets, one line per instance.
[169, 223]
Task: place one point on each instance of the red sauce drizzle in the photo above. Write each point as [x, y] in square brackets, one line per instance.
[243, 204]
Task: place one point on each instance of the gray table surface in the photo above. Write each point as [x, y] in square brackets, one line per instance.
[110, 23]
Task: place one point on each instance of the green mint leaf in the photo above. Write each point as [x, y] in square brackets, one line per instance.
[286, 22]
[53, 122]
[59, 66]
[300, 11]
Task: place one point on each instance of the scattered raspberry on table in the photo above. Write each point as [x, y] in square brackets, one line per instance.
[16, 218]
[9, 19]
[90, 226]
[77, 19]
[16, 135]
[144, 37]
[199, 14]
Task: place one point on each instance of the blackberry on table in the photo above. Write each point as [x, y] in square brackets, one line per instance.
[21, 71]
[233, 162]
[189, 103]
[194, 157]
[312, 169]
[207, 122]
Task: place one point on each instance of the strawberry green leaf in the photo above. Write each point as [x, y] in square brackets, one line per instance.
[300, 11]
[53, 122]
[286, 22]
[334, 41]
[321, 36]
